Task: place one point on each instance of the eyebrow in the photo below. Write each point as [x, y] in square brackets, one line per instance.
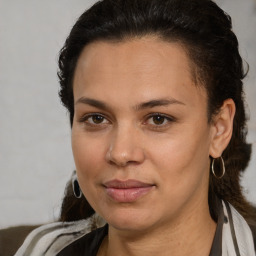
[92, 102]
[144, 105]
[157, 103]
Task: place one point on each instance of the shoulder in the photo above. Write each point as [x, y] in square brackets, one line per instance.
[237, 235]
[52, 238]
[253, 229]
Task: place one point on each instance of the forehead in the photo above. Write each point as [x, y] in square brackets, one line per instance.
[147, 53]
[145, 65]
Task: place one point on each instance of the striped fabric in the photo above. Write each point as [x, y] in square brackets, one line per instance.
[49, 240]
[237, 239]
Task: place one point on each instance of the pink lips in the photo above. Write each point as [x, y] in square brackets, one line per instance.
[127, 191]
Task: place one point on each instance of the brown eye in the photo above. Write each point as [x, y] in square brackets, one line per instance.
[158, 120]
[97, 119]
[94, 119]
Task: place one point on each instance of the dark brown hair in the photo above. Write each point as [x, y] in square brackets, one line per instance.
[205, 31]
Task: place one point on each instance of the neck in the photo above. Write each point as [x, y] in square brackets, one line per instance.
[191, 234]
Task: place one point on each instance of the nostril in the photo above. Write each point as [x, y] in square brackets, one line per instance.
[116, 158]
[124, 149]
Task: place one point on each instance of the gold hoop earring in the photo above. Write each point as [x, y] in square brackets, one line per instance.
[223, 168]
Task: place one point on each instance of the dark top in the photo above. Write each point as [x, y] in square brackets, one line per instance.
[87, 245]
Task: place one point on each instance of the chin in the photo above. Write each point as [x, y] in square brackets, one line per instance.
[130, 219]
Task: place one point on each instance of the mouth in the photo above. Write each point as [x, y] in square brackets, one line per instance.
[127, 191]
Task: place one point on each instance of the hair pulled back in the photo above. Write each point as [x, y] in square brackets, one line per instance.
[206, 33]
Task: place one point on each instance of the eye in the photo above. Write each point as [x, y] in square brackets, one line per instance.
[94, 119]
[159, 119]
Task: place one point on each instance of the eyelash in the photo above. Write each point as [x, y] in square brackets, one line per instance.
[167, 120]
[85, 118]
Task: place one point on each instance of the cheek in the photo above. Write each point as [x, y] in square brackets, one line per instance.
[182, 172]
[183, 159]
[180, 151]
[88, 156]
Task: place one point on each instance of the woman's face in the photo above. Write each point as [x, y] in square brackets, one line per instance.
[140, 134]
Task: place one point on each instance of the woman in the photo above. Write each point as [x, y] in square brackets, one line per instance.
[154, 92]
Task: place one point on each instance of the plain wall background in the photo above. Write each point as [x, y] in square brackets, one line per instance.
[35, 150]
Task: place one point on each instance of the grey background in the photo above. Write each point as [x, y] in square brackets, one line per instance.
[35, 150]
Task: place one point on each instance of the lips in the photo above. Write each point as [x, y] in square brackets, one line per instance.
[128, 190]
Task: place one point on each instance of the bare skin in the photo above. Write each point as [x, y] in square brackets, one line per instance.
[140, 116]
[182, 240]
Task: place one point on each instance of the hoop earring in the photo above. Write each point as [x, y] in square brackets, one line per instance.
[75, 185]
[223, 168]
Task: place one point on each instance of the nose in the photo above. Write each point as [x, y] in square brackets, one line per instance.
[125, 147]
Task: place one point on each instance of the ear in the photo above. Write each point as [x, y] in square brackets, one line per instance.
[222, 128]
